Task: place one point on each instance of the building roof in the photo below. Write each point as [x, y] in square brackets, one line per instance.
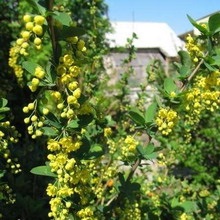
[150, 35]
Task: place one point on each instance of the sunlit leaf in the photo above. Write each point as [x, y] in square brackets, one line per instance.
[39, 8]
[95, 151]
[189, 206]
[137, 116]
[198, 26]
[214, 23]
[63, 18]
[43, 171]
[49, 131]
[2, 173]
[4, 109]
[169, 85]
[150, 113]
[147, 152]
[186, 63]
[3, 102]
[73, 124]
[30, 66]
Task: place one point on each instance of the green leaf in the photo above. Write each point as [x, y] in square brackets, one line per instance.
[2, 116]
[188, 206]
[215, 60]
[73, 124]
[39, 8]
[158, 100]
[43, 171]
[52, 120]
[147, 152]
[185, 58]
[175, 202]
[184, 71]
[69, 32]
[129, 188]
[95, 152]
[137, 116]
[169, 85]
[198, 26]
[214, 23]
[3, 102]
[121, 178]
[63, 18]
[30, 66]
[151, 156]
[4, 109]
[149, 149]
[2, 173]
[209, 67]
[84, 120]
[150, 113]
[50, 77]
[186, 62]
[49, 131]
[84, 149]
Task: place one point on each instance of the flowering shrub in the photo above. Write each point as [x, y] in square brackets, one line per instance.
[82, 153]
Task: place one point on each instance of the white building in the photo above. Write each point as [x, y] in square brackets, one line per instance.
[155, 41]
[150, 35]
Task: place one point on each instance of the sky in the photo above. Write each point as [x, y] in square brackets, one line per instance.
[172, 12]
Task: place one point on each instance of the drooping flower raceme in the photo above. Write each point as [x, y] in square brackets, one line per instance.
[166, 119]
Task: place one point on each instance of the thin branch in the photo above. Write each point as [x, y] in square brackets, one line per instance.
[133, 169]
[193, 73]
[51, 27]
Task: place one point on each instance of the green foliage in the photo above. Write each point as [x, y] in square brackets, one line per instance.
[105, 157]
[43, 171]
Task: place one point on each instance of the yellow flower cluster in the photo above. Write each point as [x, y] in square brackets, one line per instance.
[35, 122]
[112, 146]
[67, 175]
[68, 73]
[166, 119]
[185, 216]
[13, 62]
[128, 148]
[125, 147]
[6, 193]
[85, 109]
[38, 75]
[31, 34]
[213, 80]
[86, 214]
[8, 136]
[194, 48]
[204, 95]
[79, 45]
[130, 210]
[107, 132]
[102, 178]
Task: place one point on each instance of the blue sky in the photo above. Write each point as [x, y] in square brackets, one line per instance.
[173, 12]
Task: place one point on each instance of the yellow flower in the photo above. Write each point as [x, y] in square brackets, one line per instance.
[77, 93]
[38, 30]
[38, 19]
[68, 60]
[26, 18]
[165, 120]
[107, 132]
